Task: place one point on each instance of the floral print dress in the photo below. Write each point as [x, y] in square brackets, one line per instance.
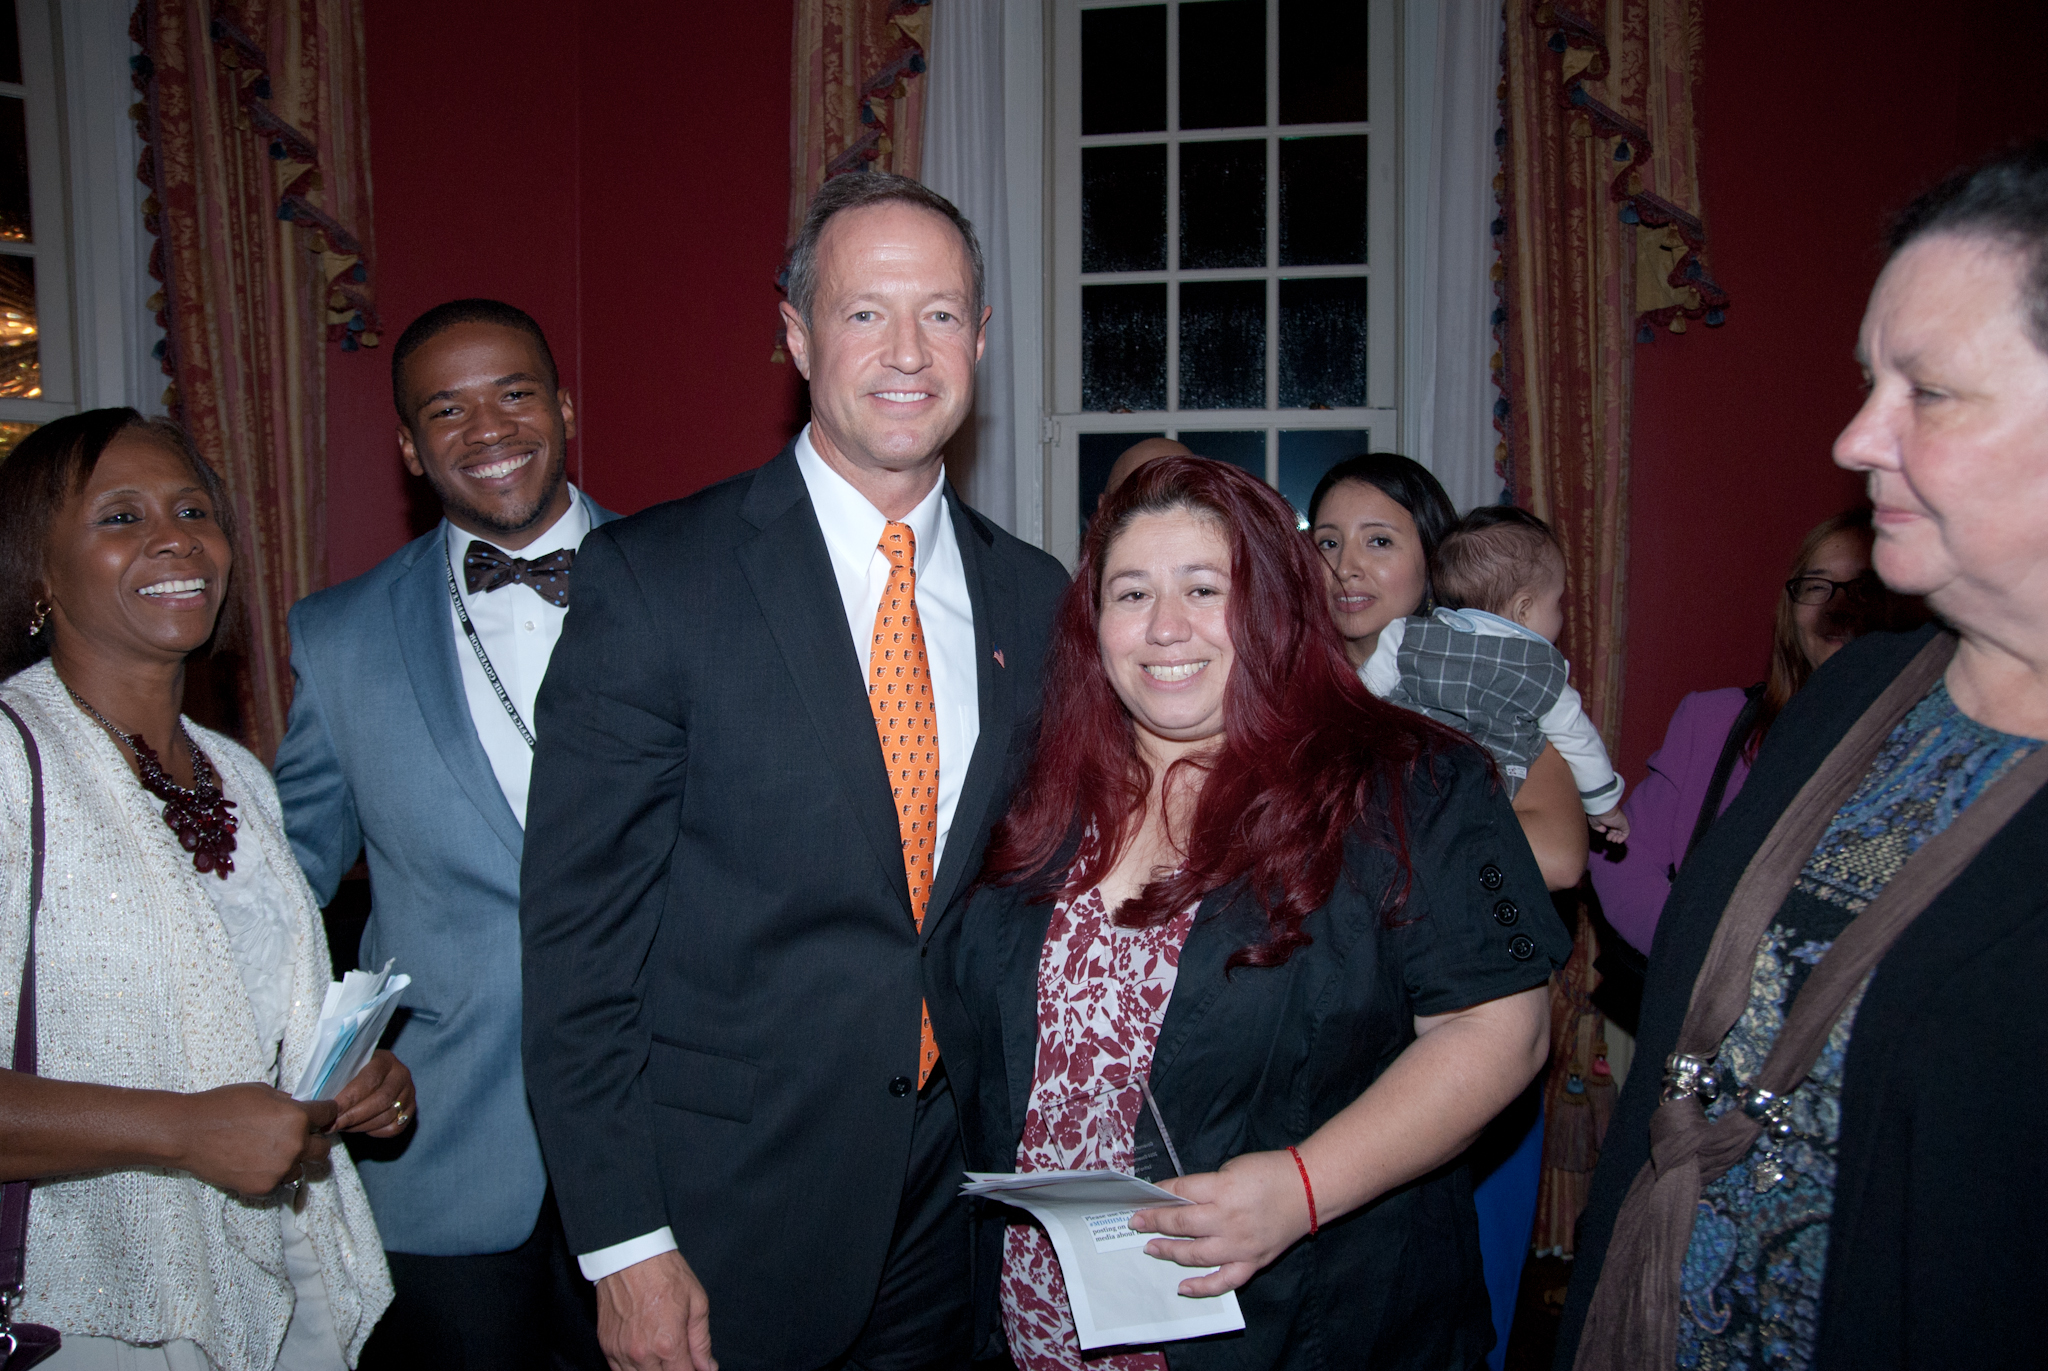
[1102, 994]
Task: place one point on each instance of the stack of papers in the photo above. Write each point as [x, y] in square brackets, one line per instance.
[352, 1019]
[1117, 1293]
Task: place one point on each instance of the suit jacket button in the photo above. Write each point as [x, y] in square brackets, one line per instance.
[1522, 948]
[1506, 913]
[900, 1085]
[1490, 877]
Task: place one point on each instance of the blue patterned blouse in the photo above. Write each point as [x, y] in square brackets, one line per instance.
[1752, 1277]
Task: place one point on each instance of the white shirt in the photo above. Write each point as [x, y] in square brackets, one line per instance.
[518, 630]
[853, 539]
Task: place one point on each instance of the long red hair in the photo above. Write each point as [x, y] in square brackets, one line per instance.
[1308, 753]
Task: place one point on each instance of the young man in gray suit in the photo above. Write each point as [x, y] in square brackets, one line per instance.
[785, 714]
[411, 740]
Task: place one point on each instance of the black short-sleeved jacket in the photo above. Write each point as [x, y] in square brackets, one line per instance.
[1255, 1059]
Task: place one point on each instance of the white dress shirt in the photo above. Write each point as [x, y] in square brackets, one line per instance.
[518, 630]
[853, 538]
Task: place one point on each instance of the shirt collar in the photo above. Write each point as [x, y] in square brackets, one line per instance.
[851, 524]
[1503, 626]
[567, 531]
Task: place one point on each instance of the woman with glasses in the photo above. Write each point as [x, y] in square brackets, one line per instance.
[1830, 597]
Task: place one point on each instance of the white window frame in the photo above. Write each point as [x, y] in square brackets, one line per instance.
[91, 248]
[1064, 421]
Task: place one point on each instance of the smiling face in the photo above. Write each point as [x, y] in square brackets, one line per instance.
[1953, 437]
[1378, 571]
[1164, 631]
[489, 431]
[892, 342]
[136, 564]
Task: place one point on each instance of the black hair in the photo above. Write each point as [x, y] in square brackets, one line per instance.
[858, 190]
[441, 318]
[49, 467]
[1407, 483]
[2004, 197]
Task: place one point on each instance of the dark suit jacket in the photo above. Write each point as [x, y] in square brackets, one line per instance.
[1940, 1227]
[1257, 1059]
[722, 971]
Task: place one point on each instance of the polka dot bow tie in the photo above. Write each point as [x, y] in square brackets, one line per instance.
[485, 568]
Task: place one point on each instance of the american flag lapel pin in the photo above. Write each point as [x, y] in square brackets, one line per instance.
[999, 660]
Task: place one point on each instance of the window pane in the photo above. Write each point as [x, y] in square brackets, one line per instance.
[10, 434]
[1306, 453]
[1123, 70]
[21, 373]
[1322, 61]
[1223, 345]
[10, 43]
[1123, 348]
[1222, 205]
[1099, 452]
[14, 217]
[1322, 201]
[1242, 448]
[1322, 343]
[1223, 64]
[1123, 208]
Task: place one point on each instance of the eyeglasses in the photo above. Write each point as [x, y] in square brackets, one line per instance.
[1818, 590]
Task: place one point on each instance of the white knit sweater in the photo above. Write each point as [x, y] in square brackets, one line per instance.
[136, 985]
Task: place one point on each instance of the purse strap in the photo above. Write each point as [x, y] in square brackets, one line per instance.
[14, 1196]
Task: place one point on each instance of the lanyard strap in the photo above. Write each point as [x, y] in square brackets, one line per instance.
[476, 644]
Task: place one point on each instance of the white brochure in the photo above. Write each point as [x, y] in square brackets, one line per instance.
[1118, 1294]
[352, 1018]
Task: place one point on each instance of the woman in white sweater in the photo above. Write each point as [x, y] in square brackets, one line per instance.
[187, 1213]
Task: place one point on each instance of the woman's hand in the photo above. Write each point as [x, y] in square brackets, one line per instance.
[1242, 1218]
[249, 1138]
[379, 1101]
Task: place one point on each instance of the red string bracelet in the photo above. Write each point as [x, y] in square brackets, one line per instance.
[1306, 1189]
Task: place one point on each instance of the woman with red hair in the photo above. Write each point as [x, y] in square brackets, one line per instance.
[1306, 921]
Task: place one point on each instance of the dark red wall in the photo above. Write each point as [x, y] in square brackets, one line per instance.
[1817, 121]
[621, 172]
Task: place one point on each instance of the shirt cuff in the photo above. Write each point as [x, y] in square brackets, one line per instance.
[608, 1261]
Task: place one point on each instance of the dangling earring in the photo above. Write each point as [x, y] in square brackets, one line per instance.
[35, 623]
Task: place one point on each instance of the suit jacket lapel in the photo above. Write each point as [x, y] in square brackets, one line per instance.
[995, 613]
[426, 637]
[786, 565]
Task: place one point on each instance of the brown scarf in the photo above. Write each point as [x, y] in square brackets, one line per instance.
[1633, 1322]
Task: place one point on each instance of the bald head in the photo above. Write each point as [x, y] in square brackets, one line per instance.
[1139, 453]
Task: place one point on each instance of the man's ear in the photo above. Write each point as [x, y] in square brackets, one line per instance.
[797, 339]
[409, 452]
[568, 413]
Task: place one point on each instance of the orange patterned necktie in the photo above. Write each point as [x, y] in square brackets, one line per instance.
[900, 693]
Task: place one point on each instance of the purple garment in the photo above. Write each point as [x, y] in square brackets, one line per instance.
[1662, 810]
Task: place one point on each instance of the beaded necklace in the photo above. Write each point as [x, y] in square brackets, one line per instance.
[198, 816]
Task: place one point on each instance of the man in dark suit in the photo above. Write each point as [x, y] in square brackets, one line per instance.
[409, 742]
[785, 714]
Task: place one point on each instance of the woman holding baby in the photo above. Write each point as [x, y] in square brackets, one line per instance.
[1304, 920]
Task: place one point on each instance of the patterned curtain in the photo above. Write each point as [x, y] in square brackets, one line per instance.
[257, 161]
[857, 104]
[1603, 244]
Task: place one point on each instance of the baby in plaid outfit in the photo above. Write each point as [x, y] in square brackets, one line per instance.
[1487, 664]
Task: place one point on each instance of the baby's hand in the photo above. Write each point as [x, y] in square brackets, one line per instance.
[1613, 825]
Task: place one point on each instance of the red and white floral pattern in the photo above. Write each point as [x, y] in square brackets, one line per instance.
[1102, 993]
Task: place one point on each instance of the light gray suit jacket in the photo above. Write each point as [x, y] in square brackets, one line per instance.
[381, 756]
